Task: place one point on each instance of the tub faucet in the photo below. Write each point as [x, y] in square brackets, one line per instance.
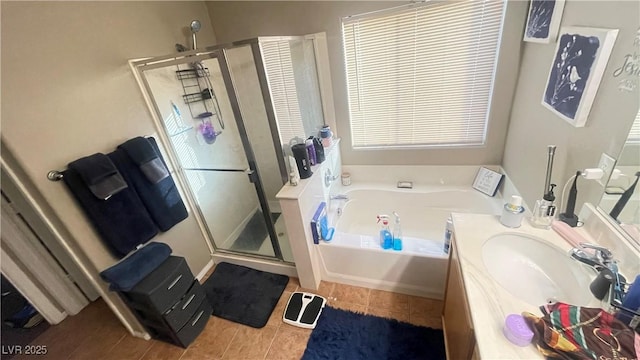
[338, 197]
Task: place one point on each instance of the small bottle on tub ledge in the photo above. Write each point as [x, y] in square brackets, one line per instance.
[397, 233]
[386, 238]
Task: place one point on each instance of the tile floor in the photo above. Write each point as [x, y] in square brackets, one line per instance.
[95, 333]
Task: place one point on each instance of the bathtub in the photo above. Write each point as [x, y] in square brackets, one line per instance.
[354, 255]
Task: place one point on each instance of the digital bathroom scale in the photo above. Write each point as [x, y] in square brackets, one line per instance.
[303, 309]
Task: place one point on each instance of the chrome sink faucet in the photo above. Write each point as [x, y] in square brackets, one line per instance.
[603, 257]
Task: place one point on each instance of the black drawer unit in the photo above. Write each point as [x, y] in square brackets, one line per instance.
[170, 303]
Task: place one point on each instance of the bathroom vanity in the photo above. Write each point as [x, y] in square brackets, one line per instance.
[495, 271]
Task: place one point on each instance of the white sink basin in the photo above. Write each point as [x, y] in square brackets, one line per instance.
[536, 272]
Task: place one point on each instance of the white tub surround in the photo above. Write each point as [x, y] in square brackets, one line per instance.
[354, 255]
[488, 302]
[299, 203]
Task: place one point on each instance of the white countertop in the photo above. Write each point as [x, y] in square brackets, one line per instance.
[489, 302]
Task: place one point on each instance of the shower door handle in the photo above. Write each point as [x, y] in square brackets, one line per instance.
[251, 173]
[253, 176]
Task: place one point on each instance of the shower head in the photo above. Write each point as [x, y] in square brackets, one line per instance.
[195, 27]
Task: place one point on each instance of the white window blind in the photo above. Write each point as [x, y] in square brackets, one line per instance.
[422, 76]
[276, 56]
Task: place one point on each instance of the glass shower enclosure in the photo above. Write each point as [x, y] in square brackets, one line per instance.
[218, 123]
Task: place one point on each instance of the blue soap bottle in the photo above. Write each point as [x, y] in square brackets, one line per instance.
[386, 239]
[397, 233]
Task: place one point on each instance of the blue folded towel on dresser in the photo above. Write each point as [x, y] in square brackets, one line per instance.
[161, 198]
[116, 212]
[124, 275]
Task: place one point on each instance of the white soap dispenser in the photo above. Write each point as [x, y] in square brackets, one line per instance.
[513, 212]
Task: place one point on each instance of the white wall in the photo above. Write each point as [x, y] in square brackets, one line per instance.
[532, 126]
[68, 92]
[237, 20]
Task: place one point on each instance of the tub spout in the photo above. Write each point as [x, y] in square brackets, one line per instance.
[339, 197]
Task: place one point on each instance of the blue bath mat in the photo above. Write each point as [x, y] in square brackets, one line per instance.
[347, 335]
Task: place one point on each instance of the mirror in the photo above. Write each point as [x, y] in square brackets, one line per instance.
[621, 198]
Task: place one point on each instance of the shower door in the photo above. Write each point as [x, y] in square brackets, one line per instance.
[215, 127]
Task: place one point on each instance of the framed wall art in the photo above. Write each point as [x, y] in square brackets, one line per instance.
[578, 64]
[487, 181]
[543, 21]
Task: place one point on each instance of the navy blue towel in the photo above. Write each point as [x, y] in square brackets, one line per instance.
[161, 199]
[124, 275]
[146, 158]
[121, 220]
[100, 175]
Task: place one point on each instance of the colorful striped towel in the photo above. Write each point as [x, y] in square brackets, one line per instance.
[572, 332]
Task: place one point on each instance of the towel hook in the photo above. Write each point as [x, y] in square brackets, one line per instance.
[55, 175]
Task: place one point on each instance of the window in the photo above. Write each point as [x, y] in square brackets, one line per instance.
[422, 75]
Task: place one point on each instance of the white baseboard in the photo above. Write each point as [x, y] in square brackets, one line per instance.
[205, 270]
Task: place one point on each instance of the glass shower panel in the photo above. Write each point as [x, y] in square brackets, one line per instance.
[208, 144]
[248, 90]
[185, 128]
[230, 206]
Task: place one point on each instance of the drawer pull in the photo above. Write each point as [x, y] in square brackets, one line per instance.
[174, 282]
[197, 318]
[188, 301]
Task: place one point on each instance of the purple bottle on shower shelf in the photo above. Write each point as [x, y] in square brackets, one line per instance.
[311, 150]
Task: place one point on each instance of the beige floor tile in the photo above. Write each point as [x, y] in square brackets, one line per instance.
[128, 348]
[389, 301]
[347, 306]
[163, 351]
[213, 341]
[63, 339]
[250, 343]
[103, 340]
[389, 314]
[276, 316]
[433, 321]
[351, 294]
[421, 305]
[289, 343]
[292, 285]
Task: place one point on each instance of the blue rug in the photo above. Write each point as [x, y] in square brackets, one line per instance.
[347, 335]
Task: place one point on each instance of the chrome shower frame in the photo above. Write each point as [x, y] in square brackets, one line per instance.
[218, 52]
